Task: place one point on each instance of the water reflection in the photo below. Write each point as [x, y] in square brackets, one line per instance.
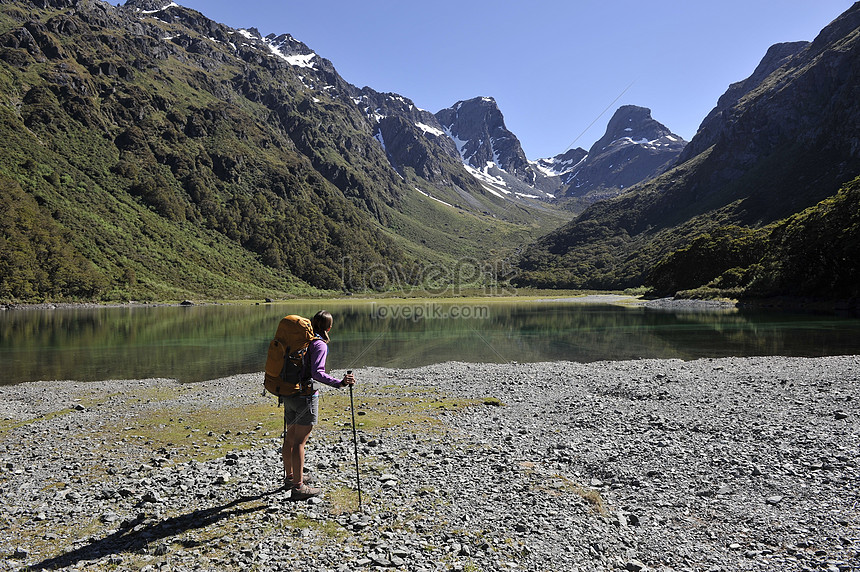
[205, 342]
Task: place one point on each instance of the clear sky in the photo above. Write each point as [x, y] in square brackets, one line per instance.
[553, 66]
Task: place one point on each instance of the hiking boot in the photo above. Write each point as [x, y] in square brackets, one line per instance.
[303, 492]
[288, 480]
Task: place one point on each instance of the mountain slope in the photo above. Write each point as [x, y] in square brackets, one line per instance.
[788, 142]
[183, 158]
[141, 117]
[711, 127]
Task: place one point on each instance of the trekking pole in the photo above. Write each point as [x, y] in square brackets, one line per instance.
[355, 444]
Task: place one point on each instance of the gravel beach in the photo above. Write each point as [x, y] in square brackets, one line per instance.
[711, 464]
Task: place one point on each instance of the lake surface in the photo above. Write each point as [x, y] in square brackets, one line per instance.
[207, 342]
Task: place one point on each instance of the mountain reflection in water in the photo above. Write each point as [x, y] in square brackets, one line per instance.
[207, 342]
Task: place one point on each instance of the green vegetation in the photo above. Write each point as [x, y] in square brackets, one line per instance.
[719, 255]
[812, 253]
[7, 425]
[637, 240]
[138, 168]
[171, 419]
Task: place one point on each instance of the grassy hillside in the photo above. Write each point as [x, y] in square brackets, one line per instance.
[152, 158]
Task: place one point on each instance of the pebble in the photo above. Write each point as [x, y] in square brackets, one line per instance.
[641, 465]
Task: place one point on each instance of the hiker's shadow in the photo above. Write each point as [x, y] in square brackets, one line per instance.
[134, 535]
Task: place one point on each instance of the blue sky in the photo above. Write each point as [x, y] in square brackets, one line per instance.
[553, 66]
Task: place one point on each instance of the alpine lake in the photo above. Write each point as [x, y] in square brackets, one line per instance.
[202, 342]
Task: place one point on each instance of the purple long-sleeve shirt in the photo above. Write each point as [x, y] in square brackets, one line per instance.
[317, 352]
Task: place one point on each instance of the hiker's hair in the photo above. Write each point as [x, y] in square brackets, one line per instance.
[321, 322]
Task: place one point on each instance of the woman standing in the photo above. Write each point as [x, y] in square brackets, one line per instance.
[301, 410]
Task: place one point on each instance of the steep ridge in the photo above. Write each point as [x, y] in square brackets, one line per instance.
[711, 127]
[789, 141]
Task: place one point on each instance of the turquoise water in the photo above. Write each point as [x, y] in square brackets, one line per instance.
[206, 342]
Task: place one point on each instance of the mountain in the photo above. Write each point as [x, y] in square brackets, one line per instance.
[552, 171]
[634, 148]
[149, 152]
[406, 132]
[778, 142]
[490, 152]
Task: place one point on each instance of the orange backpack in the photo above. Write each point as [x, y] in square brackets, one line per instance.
[286, 354]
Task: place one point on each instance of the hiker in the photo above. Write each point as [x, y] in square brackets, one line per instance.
[301, 410]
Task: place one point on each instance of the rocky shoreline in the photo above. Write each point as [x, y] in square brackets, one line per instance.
[623, 299]
[712, 464]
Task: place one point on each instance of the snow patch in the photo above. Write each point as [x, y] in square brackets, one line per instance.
[298, 60]
[403, 100]
[458, 142]
[428, 129]
[171, 5]
[494, 185]
[434, 198]
[381, 140]
[554, 168]
[643, 142]
[493, 191]
[549, 171]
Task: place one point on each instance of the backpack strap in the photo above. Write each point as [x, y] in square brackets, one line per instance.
[306, 381]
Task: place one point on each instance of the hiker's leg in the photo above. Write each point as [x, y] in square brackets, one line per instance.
[287, 455]
[304, 410]
[297, 436]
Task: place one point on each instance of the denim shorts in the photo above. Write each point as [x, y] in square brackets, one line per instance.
[301, 409]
